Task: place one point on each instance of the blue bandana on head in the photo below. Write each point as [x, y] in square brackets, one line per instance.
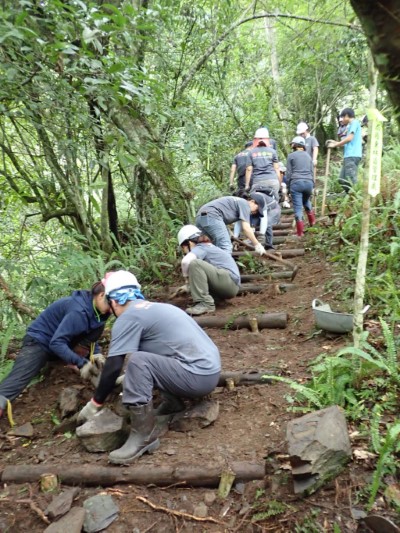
[121, 296]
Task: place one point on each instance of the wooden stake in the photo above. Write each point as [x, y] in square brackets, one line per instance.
[254, 324]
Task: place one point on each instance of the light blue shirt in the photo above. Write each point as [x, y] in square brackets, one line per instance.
[354, 147]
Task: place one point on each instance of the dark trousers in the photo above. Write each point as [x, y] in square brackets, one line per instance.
[30, 360]
[348, 172]
[146, 371]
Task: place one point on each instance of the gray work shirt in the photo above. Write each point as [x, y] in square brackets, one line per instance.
[262, 160]
[228, 208]
[299, 165]
[311, 143]
[165, 330]
[240, 160]
[218, 258]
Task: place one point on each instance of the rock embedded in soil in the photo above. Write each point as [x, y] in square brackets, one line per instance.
[68, 401]
[319, 447]
[200, 510]
[199, 416]
[104, 432]
[26, 430]
[62, 503]
[101, 511]
[71, 522]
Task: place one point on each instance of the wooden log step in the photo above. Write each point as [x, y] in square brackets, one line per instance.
[282, 225]
[265, 321]
[287, 211]
[284, 253]
[283, 287]
[205, 475]
[245, 278]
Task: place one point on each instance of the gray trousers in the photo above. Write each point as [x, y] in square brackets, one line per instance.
[30, 360]
[206, 282]
[348, 172]
[146, 371]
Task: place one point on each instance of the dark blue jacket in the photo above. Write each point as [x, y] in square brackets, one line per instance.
[66, 323]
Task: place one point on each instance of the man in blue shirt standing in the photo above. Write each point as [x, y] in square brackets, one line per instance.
[352, 144]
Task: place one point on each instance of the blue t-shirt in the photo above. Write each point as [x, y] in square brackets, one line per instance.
[354, 147]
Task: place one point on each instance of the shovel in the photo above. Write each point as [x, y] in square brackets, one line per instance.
[267, 255]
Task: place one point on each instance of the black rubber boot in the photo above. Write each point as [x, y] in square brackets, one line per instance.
[170, 405]
[142, 437]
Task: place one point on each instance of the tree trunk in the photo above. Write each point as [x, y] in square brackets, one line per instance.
[381, 24]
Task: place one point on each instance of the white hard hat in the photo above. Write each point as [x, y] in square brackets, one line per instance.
[261, 133]
[302, 127]
[188, 232]
[120, 279]
[298, 140]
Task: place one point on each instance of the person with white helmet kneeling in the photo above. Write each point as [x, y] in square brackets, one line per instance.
[210, 271]
[167, 351]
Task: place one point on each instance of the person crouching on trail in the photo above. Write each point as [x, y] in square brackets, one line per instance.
[212, 218]
[68, 329]
[300, 176]
[167, 351]
[210, 271]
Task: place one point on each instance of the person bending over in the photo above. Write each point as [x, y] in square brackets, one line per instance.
[68, 330]
[167, 351]
[213, 217]
[210, 271]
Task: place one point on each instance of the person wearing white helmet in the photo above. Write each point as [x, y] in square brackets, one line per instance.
[166, 349]
[210, 271]
[300, 176]
[312, 145]
[262, 163]
[212, 218]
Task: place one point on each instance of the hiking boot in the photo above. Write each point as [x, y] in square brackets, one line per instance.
[170, 405]
[200, 309]
[142, 437]
[299, 228]
[311, 218]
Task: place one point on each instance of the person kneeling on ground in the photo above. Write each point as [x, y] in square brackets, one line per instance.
[167, 350]
[65, 330]
[213, 217]
[300, 174]
[211, 272]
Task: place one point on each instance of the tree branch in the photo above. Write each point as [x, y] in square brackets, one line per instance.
[211, 49]
[15, 302]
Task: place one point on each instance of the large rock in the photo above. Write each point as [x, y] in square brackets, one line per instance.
[200, 416]
[71, 522]
[26, 430]
[62, 503]
[68, 401]
[104, 432]
[319, 447]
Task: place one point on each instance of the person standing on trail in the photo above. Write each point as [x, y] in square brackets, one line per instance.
[212, 218]
[210, 272]
[312, 145]
[300, 176]
[352, 144]
[239, 167]
[342, 129]
[262, 164]
[166, 350]
[68, 330]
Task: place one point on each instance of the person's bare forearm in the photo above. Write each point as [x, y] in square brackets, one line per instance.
[249, 233]
[278, 173]
[249, 171]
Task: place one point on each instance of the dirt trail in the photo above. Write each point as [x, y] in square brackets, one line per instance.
[250, 427]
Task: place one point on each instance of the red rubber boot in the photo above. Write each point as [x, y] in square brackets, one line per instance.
[311, 218]
[300, 228]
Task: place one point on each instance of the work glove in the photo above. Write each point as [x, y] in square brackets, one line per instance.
[99, 360]
[286, 204]
[89, 370]
[88, 412]
[259, 248]
[184, 289]
[119, 380]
